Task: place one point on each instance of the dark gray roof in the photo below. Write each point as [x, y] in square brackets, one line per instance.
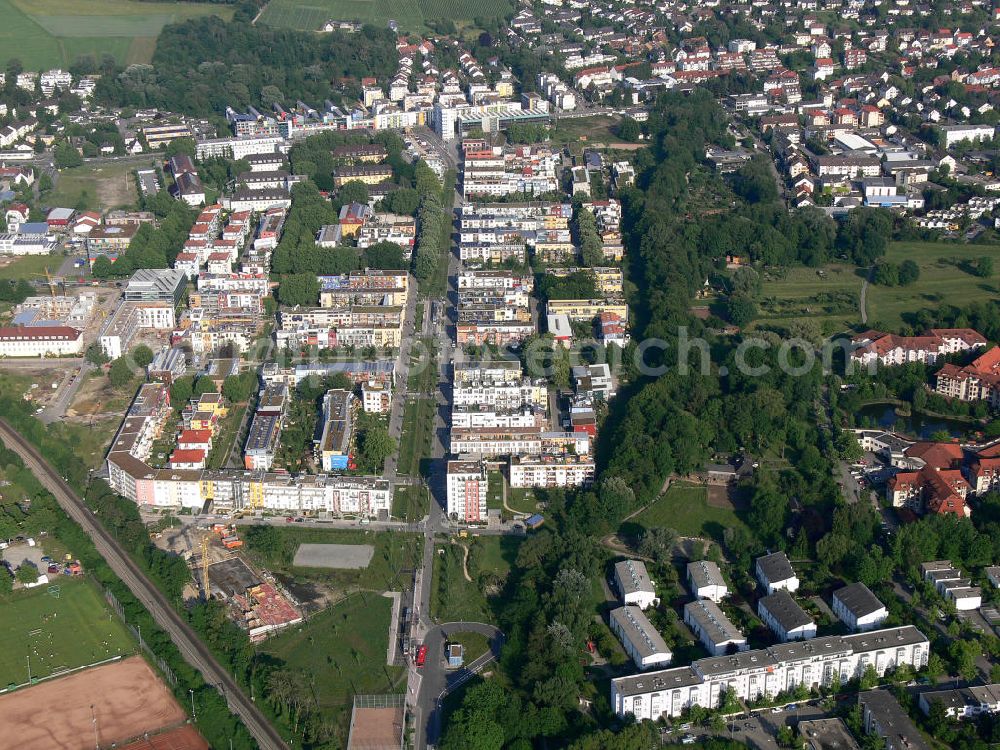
[784, 609]
[892, 722]
[666, 679]
[907, 635]
[858, 599]
[775, 567]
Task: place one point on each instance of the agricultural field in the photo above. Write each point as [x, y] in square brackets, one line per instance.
[55, 33]
[340, 652]
[310, 15]
[946, 277]
[57, 632]
[829, 296]
[97, 185]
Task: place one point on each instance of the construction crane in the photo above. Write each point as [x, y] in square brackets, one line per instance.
[205, 586]
[48, 278]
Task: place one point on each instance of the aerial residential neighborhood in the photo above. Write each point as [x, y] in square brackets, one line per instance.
[550, 374]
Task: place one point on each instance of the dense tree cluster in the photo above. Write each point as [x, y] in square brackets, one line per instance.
[433, 233]
[204, 65]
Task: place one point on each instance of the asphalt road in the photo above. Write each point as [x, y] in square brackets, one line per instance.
[67, 390]
[190, 646]
[437, 680]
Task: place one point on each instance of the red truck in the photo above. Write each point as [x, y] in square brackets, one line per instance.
[421, 656]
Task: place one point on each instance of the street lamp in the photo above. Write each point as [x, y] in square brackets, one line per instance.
[194, 715]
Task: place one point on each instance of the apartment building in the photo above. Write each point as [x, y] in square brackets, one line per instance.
[967, 702]
[566, 470]
[977, 381]
[711, 626]
[634, 586]
[586, 310]
[40, 341]
[786, 619]
[333, 450]
[467, 490]
[775, 573]
[815, 663]
[876, 347]
[858, 608]
[705, 580]
[884, 717]
[642, 643]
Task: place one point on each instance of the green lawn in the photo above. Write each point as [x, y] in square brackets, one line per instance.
[56, 33]
[339, 653]
[310, 15]
[90, 441]
[417, 432]
[522, 500]
[584, 130]
[409, 503]
[829, 296]
[29, 267]
[223, 442]
[475, 645]
[494, 497]
[945, 278]
[57, 633]
[396, 554]
[685, 509]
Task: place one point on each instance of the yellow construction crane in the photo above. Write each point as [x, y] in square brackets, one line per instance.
[205, 586]
[48, 278]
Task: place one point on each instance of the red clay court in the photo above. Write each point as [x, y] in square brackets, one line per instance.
[182, 738]
[127, 697]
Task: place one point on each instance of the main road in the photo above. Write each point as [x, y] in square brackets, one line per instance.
[190, 646]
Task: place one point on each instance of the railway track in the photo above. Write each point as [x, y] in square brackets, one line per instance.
[186, 640]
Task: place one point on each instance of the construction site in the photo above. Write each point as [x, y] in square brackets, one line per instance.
[257, 601]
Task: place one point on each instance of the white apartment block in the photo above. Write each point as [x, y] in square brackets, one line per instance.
[858, 608]
[711, 626]
[706, 581]
[786, 619]
[40, 341]
[775, 573]
[634, 585]
[766, 672]
[643, 644]
[552, 471]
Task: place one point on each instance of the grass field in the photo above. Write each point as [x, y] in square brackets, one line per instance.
[395, 556]
[341, 652]
[57, 634]
[827, 296]
[410, 503]
[945, 278]
[96, 186]
[54, 33]
[685, 508]
[415, 440]
[29, 267]
[310, 15]
[455, 599]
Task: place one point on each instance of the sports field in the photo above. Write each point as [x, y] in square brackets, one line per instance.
[54, 634]
[946, 277]
[95, 707]
[310, 15]
[53, 33]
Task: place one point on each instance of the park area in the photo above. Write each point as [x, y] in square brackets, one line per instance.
[828, 296]
[692, 510]
[339, 653]
[96, 707]
[946, 278]
[57, 628]
[470, 574]
[56, 33]
[411, 15]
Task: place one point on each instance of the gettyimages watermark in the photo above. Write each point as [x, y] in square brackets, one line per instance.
[754, 355]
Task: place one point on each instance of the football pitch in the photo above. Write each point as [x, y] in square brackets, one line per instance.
[44, 34]
[310, 15]
[53, 633]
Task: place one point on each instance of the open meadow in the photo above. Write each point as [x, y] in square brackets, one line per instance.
[57, 632]
[946, 277]
[310, 15]
[55, 33]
